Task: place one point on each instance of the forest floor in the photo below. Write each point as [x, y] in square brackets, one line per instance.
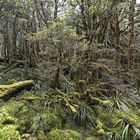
[106, 110]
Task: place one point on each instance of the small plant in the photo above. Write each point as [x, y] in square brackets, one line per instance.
[84, 114]
[121, 104]
[114, 136]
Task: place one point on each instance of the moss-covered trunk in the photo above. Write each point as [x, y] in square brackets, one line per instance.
[8, 91]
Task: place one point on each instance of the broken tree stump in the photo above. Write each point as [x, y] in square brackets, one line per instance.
[8, 91]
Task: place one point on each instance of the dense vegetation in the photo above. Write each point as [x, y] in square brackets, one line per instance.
[69, 70]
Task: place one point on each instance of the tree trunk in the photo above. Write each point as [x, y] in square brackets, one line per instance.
[8, 91]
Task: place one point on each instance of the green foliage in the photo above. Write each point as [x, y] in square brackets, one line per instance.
[84, 114]
[59, 34]
[29, 33]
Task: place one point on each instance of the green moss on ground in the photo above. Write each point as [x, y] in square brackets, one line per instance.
[9, 132]
[64, 135]
[50, 118]
[46, 121]
[8, 127]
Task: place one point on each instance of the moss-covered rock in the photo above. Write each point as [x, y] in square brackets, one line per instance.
[64, 135]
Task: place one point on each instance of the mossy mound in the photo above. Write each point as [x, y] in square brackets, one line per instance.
[64, 135]
[6, 118]
[9, 132]
[41, 135]
[46, 121]
[8, 127]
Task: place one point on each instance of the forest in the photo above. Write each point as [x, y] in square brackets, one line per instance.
[69, 70]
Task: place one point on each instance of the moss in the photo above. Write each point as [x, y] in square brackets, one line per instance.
[41, 135]
[76, 95]
[6, 118]
[22, 113]
[106, 117]
[46, 121]
[9, 132]
[105, 103]
[31, 98]
[11, 81]
[99, 124]
[8, 127]
[99, 127]
[92, 138]
[130, 119]
[64, 135]
[101, 132]
[7, 91]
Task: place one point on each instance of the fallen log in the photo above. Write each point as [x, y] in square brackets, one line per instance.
[8, 91]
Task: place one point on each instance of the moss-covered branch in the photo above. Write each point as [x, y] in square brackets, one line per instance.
[7, 91]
